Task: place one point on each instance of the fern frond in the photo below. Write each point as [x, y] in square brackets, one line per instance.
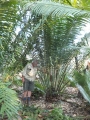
[54, 9]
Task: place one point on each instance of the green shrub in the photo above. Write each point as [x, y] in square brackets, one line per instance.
[57, 114]
[38, 91]
[33, 113]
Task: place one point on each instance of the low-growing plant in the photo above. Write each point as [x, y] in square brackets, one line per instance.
[57, 114]
[38, 90]
[31, 112]
[35, 113]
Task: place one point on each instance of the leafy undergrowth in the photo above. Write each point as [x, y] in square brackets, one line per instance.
[35, 113]
[71, 106]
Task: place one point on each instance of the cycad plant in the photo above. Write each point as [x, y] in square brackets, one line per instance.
[53, 80]
[9, 102]
[82, 82]
[60, 25]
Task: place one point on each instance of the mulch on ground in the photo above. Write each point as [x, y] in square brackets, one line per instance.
[72, 103]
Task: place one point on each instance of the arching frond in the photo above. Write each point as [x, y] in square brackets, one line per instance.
[9, 103]
[54, 9]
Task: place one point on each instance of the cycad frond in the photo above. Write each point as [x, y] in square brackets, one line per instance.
[54, 9]
[8, 102]
[82, 82]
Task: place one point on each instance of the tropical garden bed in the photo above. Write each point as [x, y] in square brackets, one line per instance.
[72, 105]
[54, 32]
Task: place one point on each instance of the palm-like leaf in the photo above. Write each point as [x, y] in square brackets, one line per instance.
[82, 82]
[46, 9]
[59, 36]
[9, 103]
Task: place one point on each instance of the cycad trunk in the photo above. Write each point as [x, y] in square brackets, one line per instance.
[54, 82]
[51, 94]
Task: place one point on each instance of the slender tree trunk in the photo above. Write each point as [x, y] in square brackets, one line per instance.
[76, 62]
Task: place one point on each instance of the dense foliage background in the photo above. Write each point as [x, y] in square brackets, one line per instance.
[54, 32]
